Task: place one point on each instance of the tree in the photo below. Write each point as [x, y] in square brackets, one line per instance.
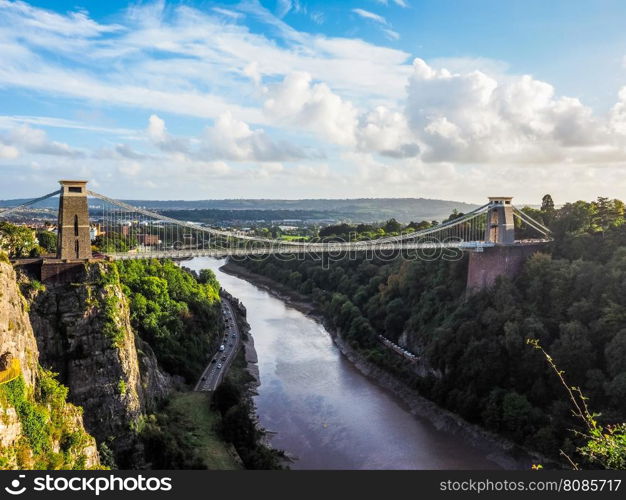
[17, 241]
[396, 315]
[615, 354]
[48, 240]
[392, 226]
[207, 277]
[547, 205]
[115, 242]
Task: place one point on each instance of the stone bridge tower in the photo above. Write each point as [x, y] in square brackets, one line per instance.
[500, 227]
[74, 241]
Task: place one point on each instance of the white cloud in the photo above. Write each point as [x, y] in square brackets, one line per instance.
[74, 24]
[228, 139]
[35, 141]
[472, 117]
[618, 114]
[8, 152]
[317, 17]
[283, 7]
[372, 122]
[386, 132]
[158, 134]
[227, 12]
[130, 168]
[300, 102]
[10, 121]
[199, 57]
[366, 14]
[232, 139]
[312, 106]
[252, 71]
[156, 129]
[391, 34]
[401, 3]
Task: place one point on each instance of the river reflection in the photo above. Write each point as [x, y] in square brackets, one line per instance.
[324, 412]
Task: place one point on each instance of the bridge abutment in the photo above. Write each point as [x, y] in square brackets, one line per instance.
[485, 267]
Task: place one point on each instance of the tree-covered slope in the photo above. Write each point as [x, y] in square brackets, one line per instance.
[571, 299]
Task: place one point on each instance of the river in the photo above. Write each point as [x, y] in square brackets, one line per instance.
[321, 410]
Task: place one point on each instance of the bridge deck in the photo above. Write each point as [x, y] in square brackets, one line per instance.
[313, 249]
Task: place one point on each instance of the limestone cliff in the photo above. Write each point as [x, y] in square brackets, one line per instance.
[83, 331]
[38, 428]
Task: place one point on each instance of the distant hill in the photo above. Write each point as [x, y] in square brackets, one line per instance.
[355, 210]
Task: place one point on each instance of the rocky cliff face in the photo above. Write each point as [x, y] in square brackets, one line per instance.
[38, 428]
[16, 333]
[83, 332]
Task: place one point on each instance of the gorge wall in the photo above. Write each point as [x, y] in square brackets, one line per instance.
[38, 427]
[83, 332]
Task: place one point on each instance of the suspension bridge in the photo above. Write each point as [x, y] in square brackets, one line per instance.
[130, 232]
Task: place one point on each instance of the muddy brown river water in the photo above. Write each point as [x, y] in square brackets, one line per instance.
[322, 411]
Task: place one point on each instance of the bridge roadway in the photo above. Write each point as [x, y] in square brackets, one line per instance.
[219, 364]
[313, 248]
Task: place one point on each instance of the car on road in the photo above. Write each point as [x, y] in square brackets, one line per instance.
[219, 366]
[213, 360]
[222, 347]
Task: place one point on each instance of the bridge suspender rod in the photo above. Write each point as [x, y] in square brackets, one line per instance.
[227, 235]
[28, 203]
[440, 227]
[532, 222]
[157, 216]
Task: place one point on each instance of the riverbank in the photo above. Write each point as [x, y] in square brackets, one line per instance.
[247, 342]
[238, 390]
[501, 451]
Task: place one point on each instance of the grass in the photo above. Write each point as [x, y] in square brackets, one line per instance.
[192, 413]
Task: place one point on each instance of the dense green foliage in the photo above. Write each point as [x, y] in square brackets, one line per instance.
[572, 299]
[193, 431]
[46, 419]
[48, 241]
[185, 435]
[115, 242]
[602, 445]
[174, 312]
[18, 241]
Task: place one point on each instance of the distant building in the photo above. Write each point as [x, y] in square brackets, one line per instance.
[148, 239]
[95, 231]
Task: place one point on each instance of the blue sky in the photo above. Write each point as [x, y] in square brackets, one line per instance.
[291, 99]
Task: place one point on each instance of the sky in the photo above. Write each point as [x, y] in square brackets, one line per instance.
[442, 99]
